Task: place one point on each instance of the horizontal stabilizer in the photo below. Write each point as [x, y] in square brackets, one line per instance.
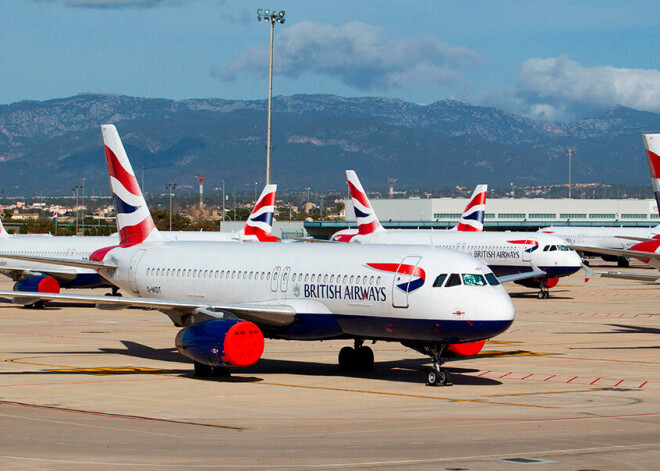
[62, 261]
[638, 254]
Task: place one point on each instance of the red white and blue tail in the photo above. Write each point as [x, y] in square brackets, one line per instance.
[652, 146]
[134, 221]
[364, 214]
[3, 233]
[472, 219]
[260, 223]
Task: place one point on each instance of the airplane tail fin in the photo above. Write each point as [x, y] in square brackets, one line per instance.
[472, 219]
[134, 220]
[652, 147]
[3, 233]
[260, 223]
[364, 214]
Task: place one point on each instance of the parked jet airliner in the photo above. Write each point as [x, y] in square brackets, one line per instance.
[49, 278]
[506, 253]
[617, 238]
[227, 296]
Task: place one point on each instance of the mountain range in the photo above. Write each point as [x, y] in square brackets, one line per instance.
[50, 146]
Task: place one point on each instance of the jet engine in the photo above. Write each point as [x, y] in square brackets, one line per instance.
[39, 284]
[460, 350]
[221, 342]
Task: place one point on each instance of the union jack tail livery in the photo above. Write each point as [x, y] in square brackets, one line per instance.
[366, 218]
[3, 233]
[472, 219]
[652, 146]
[260, 223]
[134, 221]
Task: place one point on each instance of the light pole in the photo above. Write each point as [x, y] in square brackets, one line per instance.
[255, 192]
[569, 152]
[142, 187]
[272, 17]
[83, 206]
[170, 187]
[223, 200]
[75, 192]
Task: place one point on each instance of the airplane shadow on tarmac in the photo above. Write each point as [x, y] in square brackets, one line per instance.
[554, 294]
[404, 370]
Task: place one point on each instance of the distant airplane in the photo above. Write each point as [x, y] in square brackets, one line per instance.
[601, 240]
[508, 254]
[472, 219]
[227, 296]
[50, 278]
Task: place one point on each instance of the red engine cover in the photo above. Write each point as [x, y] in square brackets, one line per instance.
[466, 349]
[244, 344]
[48, 285]
[551, 282]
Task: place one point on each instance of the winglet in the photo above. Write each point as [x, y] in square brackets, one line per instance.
[652, 147]
[260, 223]
[364, 214]
[472, 219]
[3, 233]
[588, 273]
[134, 220]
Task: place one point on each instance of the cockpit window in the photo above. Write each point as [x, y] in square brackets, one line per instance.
[473, 280]
[562, 248]
[439, 280]
[492, 279]
[553, 248]
[454, 280]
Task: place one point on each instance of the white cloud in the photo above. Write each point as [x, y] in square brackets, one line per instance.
[356, 54]
[558, 87]
[114, 3]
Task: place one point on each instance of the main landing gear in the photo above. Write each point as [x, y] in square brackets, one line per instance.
[356, 358]
[438, 376]
[115, 292]
[208, 371]
[543, 293]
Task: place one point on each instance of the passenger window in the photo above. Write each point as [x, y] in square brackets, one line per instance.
[473, 280]
[439, 280]
[492, 279]
[250, 275]
[351, 279]
[245, 275]
[357, 280]
[306, 277]
[378, 280]
[454, 280]
[345, 278]
[313, 278]
[168, 272]
[325, 279]
[332, 279]
[371, 280]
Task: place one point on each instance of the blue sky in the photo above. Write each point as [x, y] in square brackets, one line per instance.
[551, 59]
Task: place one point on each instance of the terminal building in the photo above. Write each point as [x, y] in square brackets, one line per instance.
[517, 214]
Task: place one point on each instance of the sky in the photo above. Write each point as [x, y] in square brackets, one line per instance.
[552, 59]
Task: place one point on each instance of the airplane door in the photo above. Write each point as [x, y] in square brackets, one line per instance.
[285, 279]
[275, 278]
[402, 278]
[527, 254]
[132, 270]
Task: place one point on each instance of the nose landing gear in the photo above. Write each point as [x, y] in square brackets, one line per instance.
[543, 293]
[438, 376]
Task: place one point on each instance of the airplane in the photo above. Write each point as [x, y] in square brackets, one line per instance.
[471, 220]
[613, 239]
[506, 253]
[49, 278]
[228, 296]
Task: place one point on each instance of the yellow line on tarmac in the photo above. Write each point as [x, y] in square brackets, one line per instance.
[418, 396]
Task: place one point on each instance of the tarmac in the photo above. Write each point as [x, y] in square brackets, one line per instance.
[573, 385]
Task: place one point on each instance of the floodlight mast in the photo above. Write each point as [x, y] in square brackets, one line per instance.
[271, 17]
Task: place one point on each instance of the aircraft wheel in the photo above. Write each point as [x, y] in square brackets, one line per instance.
[347, 358]
[202, 370]
[438, 378]
[543, 295]
[365, 358]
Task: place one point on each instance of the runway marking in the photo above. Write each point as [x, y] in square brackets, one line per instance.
[548, 392]
[565, 379]
[118, 370]
[417, 396]
[554, 451]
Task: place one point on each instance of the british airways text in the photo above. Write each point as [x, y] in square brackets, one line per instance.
[354, 293]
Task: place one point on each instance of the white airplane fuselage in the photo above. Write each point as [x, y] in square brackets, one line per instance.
[604, 237]
[505, 253]
[332, 287]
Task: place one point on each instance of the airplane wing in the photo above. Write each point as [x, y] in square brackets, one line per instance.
[630, 275]
[535, 273]
[616, 252]
[61, 261]
[636, 239]
[57, 273]
[181, 312]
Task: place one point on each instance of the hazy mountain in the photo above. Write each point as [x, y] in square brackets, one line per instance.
[52, 145]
